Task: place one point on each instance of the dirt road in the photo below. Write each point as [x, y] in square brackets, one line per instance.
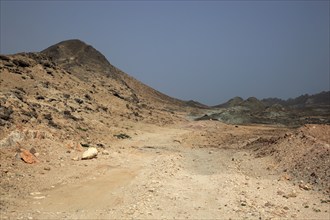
[159, 174]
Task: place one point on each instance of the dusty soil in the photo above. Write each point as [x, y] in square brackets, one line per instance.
[190, 170]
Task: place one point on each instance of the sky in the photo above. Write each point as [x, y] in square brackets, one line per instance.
[207, 51]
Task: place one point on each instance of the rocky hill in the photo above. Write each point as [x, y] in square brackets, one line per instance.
[316, 100]
[294, 112]
[71, 87]
[74, 55]
[85, 62]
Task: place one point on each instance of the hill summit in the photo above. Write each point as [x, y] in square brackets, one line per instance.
[75, 54]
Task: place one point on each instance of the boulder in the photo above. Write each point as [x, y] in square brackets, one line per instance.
[90, 153]
[27, 157]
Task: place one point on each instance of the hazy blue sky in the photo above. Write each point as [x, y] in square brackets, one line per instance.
[208, 51]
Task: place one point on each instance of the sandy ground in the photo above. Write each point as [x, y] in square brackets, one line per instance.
[192, 170]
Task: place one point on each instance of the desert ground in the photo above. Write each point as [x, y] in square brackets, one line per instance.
[188, 170]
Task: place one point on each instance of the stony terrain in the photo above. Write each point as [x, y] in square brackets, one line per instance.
[305, 109]
[154, 161]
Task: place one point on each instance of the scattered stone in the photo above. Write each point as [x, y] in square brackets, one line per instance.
[122, 136]
[286, 208]
[90, 153]
[18, 156]
[293, 194]
[27, 157]
[79, 101]
[5, 112]
[100, 145]
[88, 97]
[67, 114]
[84, 145]
[66, 96]
[40, 97]
[305, 186]
[286, 177]
[33, 150]
[75, 158]
[47, 168]
[325, 200]
[48, 117]
[105, 152]
[269, 204]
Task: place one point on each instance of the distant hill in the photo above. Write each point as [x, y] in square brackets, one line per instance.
[196, 104]
[250, 103]
[230, 103]
[303, 109]
[322, 98]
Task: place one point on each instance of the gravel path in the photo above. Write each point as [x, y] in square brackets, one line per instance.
[154, 176]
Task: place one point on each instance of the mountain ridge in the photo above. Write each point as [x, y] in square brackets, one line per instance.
[321, 98]
[78, 57]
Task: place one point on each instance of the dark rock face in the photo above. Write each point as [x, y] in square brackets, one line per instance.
[5, 113]
[21, 63]
[75, 54]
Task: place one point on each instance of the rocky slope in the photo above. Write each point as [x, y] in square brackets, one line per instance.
[292, 112]
[85, 62]
[68, 85]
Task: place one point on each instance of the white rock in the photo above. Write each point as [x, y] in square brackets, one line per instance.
[89, 153]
